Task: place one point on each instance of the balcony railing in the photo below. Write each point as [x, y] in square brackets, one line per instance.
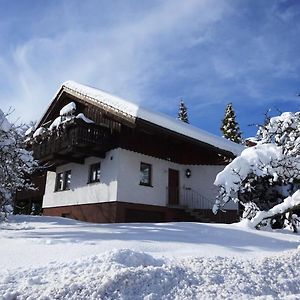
[75, 139]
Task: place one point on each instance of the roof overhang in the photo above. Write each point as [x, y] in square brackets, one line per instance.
[128, 113]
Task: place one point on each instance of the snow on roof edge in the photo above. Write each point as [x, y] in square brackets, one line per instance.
[157, 118]
[133, 110]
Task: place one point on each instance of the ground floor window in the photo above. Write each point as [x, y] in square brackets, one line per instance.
[63, 181]
[59, 181]
[67, 180]
[146, 174]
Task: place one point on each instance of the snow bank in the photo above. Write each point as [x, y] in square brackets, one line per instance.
[130, 275]
[68, 259]
[130, 258]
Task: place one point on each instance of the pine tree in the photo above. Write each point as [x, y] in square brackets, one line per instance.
[230, 127]
[182, 112]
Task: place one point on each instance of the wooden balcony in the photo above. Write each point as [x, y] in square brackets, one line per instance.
[72, 143]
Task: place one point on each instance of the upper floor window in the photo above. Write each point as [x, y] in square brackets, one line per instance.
[146, 174]
[94, 175]
[63, 181]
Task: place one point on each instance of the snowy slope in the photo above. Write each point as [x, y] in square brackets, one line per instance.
[135, 111]
[158, 239]
[56, 258]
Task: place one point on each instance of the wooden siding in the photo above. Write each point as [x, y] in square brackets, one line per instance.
[164, 145]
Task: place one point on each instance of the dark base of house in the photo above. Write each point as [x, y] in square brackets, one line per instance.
[124, 212]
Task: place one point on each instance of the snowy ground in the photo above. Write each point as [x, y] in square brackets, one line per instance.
[55, 258]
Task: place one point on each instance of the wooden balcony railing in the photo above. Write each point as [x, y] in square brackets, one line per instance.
[75, 140]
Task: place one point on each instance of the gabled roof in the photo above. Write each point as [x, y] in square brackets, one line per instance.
[133, 111]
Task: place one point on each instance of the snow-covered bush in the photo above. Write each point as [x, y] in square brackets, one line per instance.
[264, 176]
[15, 163]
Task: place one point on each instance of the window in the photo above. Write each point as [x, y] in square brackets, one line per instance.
[59, 181]
[67, 180]
[146, 170]
[63, 181]
[94, 173]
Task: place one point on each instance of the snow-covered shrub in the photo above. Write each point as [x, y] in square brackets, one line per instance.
[15, 163]
[265, 175]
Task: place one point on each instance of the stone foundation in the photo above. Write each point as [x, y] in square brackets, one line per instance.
[124, 212]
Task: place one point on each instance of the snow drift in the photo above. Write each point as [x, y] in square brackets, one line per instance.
[130, 275]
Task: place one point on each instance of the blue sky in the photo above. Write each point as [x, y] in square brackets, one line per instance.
[208, 52]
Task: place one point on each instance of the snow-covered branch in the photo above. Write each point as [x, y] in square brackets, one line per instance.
[289, 204]
[266, 174]
[15, 163]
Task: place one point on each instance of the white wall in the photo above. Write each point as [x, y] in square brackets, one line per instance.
[129, 189]
[81, 192]
[120, 178]
[202, 181]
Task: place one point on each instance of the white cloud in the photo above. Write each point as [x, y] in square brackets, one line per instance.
[208, 52]
[122, 59]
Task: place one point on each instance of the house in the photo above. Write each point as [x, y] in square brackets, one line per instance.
[30, 201]
[110, 160]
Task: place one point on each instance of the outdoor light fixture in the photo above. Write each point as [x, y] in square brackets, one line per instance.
[188, 173]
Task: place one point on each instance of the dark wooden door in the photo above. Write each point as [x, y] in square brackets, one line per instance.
[173, 188]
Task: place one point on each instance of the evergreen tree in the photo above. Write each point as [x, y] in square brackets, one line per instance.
[230, 127]
[182, 112]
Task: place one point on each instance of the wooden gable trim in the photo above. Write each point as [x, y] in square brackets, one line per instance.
[114, 114]
[50, 108]
[110, 114]
[119, 114]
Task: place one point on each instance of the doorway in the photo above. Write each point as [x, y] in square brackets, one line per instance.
[173, 187]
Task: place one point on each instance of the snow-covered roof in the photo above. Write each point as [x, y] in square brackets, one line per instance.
[133, 110]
